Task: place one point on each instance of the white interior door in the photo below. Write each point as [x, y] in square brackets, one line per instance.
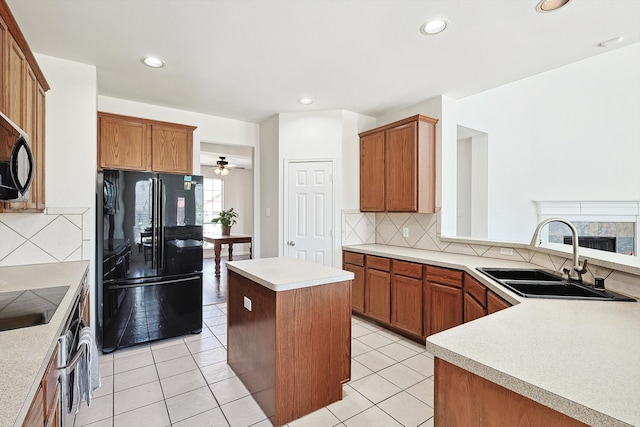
[309, 220]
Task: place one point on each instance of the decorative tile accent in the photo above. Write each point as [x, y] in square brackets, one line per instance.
[60, 234]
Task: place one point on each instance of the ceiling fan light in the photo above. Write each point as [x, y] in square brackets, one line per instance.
[217, 171]
[224, 172]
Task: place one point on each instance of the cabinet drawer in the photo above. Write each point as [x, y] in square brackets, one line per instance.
[378, 263]
[405, 268]
[476, 289]
[444, 276]
[353, 258]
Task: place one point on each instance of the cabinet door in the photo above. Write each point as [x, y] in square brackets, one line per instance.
[401, 172]
[123, 143]
[372, 167]
[378, 295]
[35, 415]
[495, 303]
[171, 149]
[357, 287]
[406, 309]
[472, 309]
[443, 307]
[38, 180]
[15, 82]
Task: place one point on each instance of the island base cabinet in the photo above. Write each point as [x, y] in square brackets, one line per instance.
[291, 349]
[465, 399]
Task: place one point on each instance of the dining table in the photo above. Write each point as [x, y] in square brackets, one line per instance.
[219, 239]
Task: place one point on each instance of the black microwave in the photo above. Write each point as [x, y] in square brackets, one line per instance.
[16, 161]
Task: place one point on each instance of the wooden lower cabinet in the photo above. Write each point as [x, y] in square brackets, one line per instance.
[406, 297]
[378, 295]
[406, 311]
[355, 263]
[465, 399]
[35, 416]
[475, 299]
[472, 309]
[443, 302]
[45, 406]
[495, 303]
[415, 299]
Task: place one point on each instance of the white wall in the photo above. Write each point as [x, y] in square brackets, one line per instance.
[327, 135]
[568, 134]
[70, 133]
[70, 150]
[352, 124]
[269, 184]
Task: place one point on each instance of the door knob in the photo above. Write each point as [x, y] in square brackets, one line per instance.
[291, 243]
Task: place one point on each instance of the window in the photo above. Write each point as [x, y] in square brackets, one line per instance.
[213, 202]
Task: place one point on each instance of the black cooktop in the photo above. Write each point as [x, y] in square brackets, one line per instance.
[20, 309]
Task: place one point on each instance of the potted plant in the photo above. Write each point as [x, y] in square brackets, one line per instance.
[226, 219]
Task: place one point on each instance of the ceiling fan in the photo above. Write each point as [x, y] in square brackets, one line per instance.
[223, 167]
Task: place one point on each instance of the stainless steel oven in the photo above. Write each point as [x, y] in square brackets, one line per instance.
[69, 356]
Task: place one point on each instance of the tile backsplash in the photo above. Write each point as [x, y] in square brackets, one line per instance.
[58, 234]
[422, 231]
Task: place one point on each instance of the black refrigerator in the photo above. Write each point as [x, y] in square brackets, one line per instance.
[149, 234]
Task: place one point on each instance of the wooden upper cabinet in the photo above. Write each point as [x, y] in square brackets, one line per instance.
[124, 143]
[172, 149]
[402, 178]
[372, 186]
[22, 99]
[133, 143]
[402, 168]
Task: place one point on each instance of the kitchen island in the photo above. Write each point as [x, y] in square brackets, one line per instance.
[289, 333]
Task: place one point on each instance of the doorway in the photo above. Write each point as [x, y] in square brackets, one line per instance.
[472, 183]
[309, 206]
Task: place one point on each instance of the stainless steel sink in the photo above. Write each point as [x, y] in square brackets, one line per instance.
[537, 283]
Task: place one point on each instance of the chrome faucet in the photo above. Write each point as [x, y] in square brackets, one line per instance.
[579, 269]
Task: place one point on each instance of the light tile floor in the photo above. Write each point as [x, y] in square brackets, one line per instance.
[186, 382]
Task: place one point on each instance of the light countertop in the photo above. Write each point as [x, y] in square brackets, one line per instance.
[285, 273]
[580, 358]
[25, 352]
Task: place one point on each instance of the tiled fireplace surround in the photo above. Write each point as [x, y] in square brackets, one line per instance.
[64, 234]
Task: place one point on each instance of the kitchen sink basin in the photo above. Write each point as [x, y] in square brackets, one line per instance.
[521, 274]
[535, 283]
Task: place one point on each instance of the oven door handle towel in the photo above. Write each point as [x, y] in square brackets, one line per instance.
[87, 372]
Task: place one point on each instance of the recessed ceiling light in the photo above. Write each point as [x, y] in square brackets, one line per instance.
[434, 26]
[152, 62]
[550, 5]
[611, 42]
[305, 101]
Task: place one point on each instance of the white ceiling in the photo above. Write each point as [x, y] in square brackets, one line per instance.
[248, 60]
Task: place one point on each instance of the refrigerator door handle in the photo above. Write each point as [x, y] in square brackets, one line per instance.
[144, 284]
[154, 223]
[161, 225]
